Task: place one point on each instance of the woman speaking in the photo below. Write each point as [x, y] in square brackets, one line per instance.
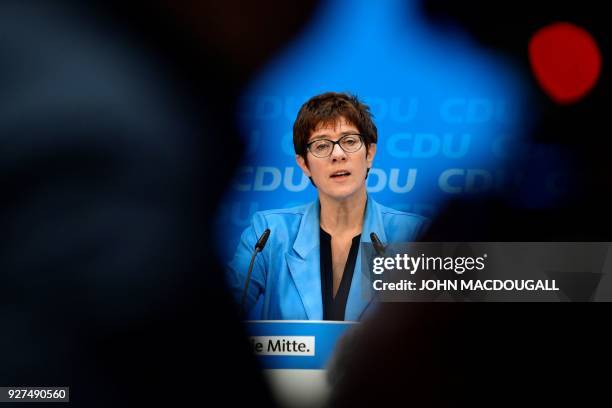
[309, 267]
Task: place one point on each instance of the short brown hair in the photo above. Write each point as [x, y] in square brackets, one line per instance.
[327, 108]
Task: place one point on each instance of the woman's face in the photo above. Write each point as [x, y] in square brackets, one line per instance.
[341, 175]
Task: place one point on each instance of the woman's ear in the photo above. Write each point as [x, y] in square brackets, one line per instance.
[370, 154]
[303, 165]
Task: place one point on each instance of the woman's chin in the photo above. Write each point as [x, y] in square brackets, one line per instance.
[344, 193]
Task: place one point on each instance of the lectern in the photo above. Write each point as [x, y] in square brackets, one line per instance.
[294, 355]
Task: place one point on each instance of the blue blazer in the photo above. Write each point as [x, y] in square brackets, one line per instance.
[287, 272]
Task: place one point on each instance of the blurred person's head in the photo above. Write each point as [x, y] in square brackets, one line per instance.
[335, 138]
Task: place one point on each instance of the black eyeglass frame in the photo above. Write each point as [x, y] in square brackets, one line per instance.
[337, 142]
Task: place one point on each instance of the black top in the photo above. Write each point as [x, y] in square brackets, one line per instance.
[333, 307]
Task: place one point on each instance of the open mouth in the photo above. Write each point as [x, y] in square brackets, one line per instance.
[341, 174]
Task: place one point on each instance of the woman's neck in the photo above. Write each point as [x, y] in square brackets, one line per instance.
[345, 216]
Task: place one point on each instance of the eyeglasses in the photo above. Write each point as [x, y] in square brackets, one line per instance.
[324, 147]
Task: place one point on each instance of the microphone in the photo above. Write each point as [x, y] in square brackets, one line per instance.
[378, 246]
[261, 242]
[259, 246]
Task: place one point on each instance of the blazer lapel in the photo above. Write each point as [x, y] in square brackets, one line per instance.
[360, 294]
[305, 267]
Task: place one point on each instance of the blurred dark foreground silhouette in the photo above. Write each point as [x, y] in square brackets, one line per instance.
[504, 354]
[117, 135]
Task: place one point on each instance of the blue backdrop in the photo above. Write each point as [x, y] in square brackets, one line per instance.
[447, 111]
